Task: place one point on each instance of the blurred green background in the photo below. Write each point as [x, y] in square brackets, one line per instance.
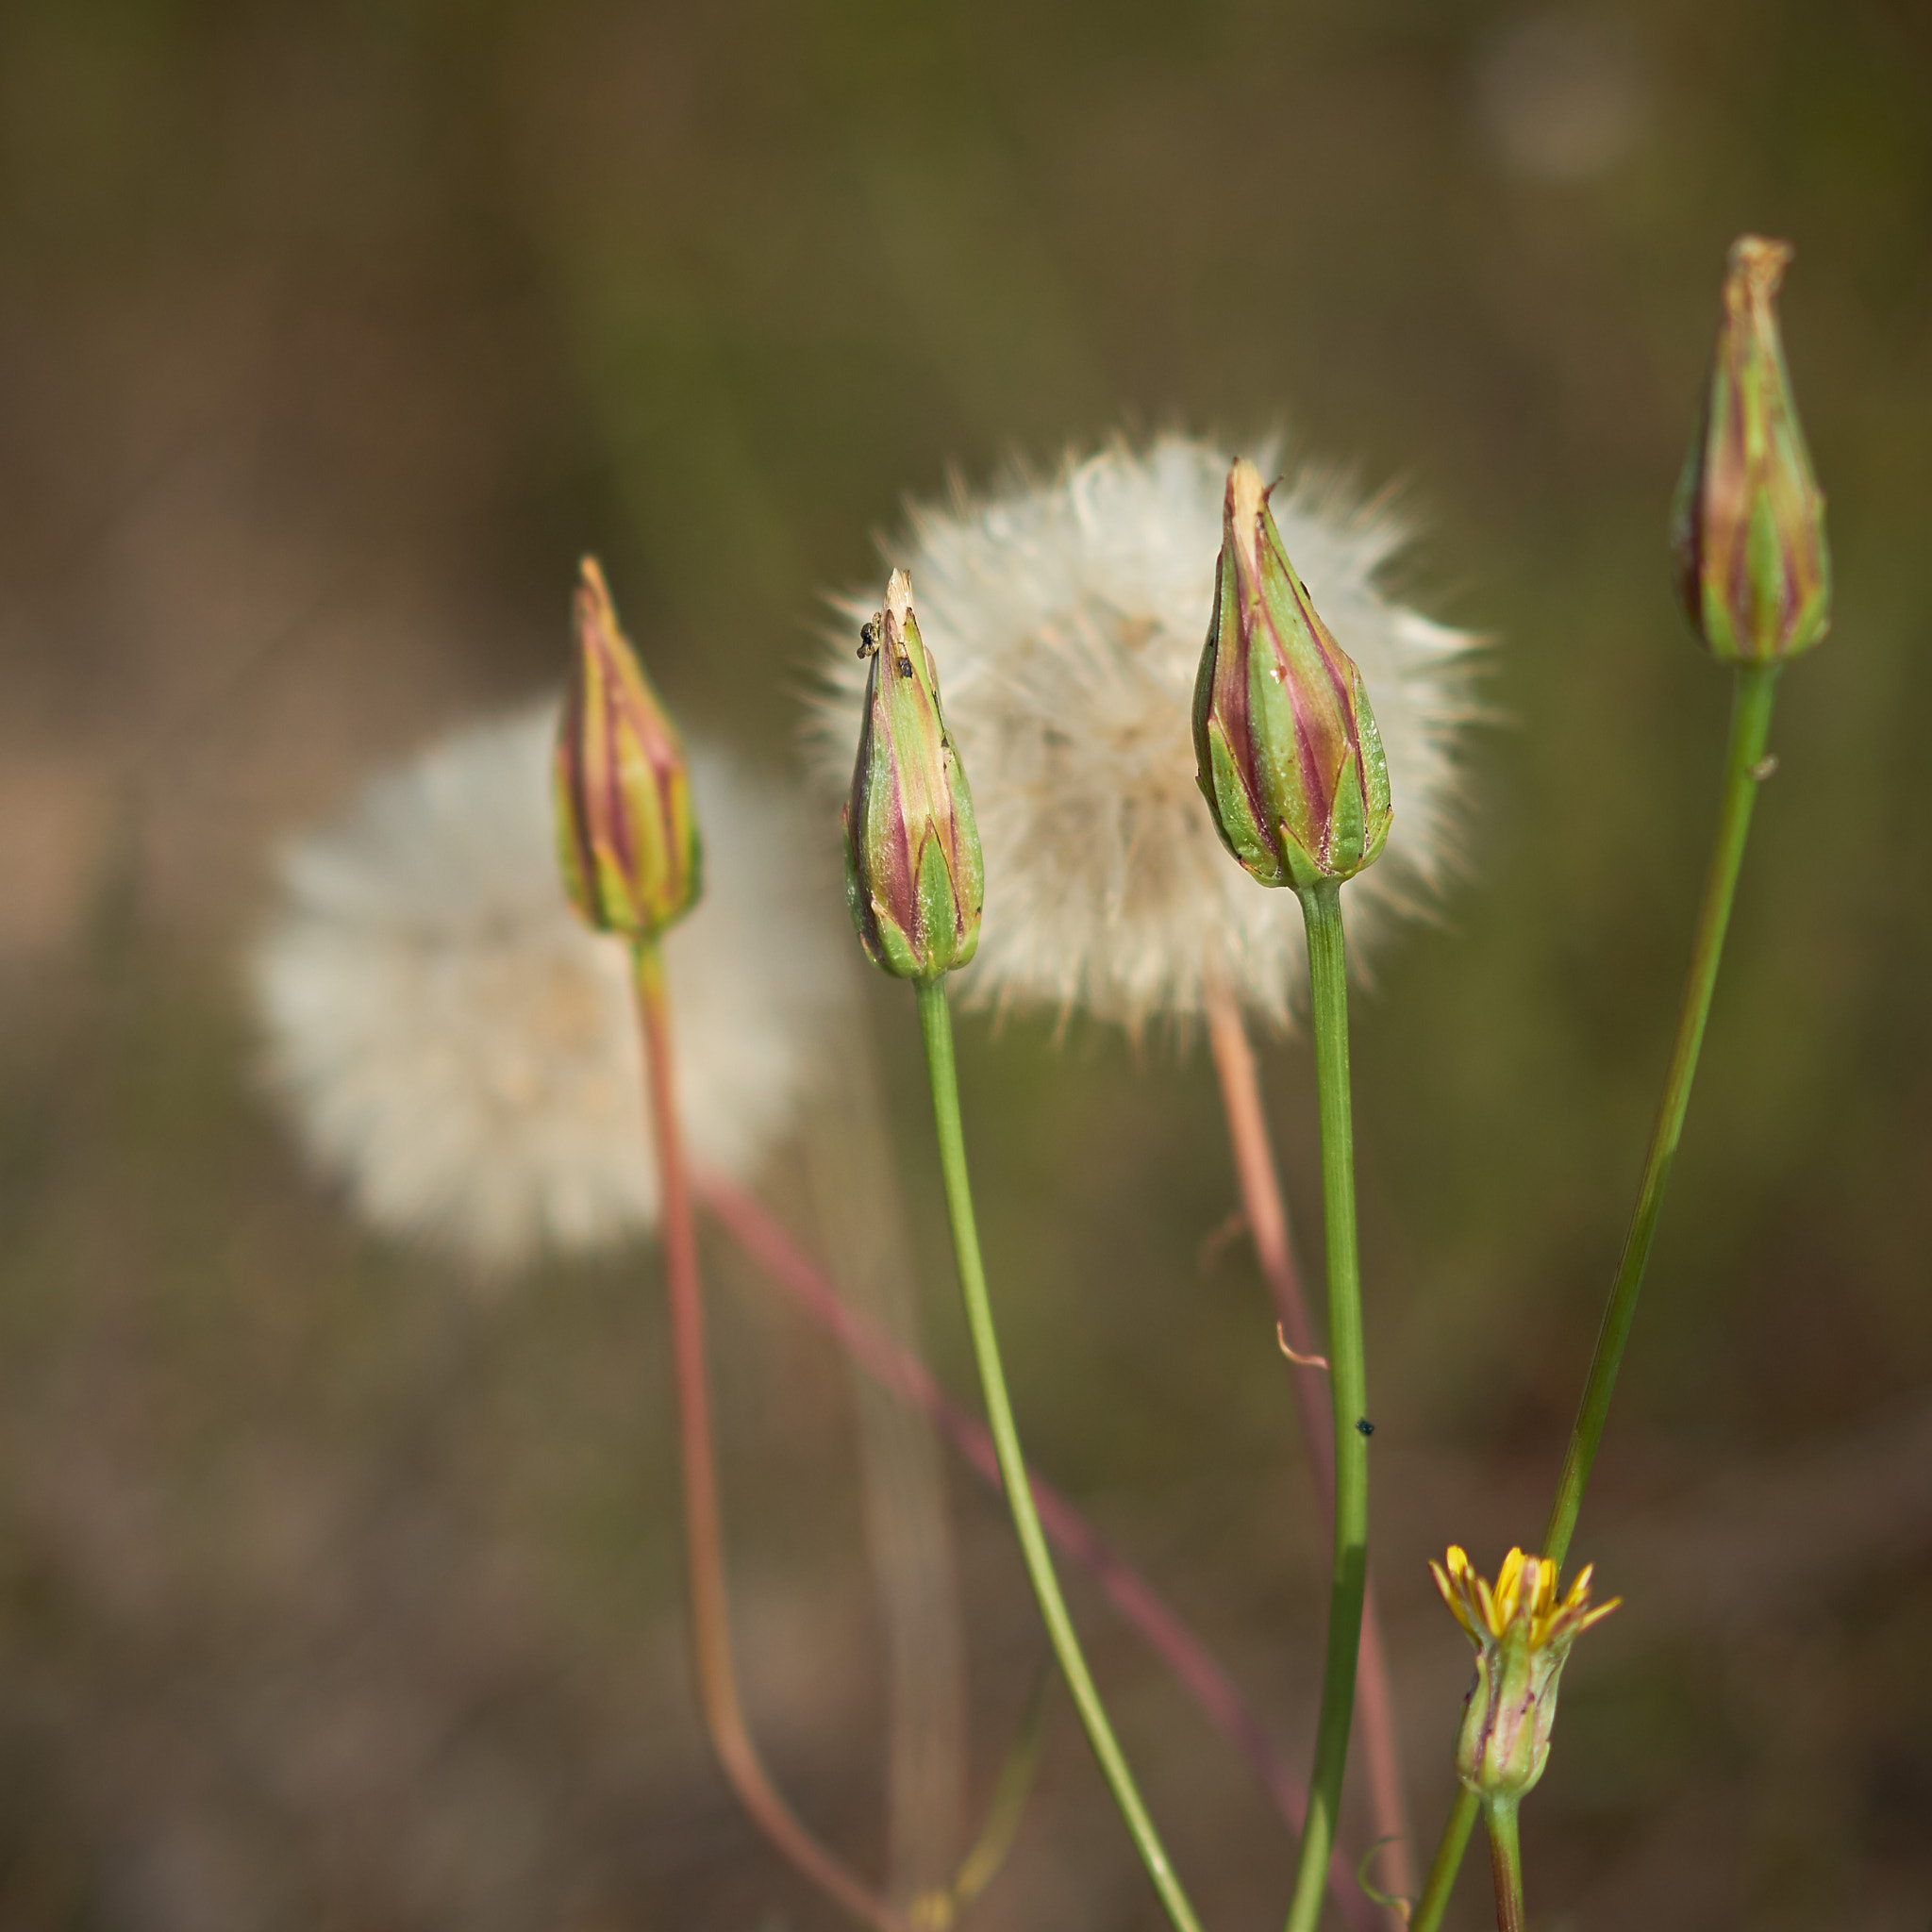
[332, 1595]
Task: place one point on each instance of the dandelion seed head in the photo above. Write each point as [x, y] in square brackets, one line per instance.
[463, 1054]
[1067, 617]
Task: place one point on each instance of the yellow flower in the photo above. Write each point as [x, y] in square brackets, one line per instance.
[1522, 1632]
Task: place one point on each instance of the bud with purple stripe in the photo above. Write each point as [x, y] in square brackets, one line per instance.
[1286, 749]
[1747, 529]
[625, 836]
[913, 878]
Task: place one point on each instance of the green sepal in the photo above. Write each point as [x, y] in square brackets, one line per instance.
[1303, 872]
[1718, 637]
[1234, 817]
[1765, 572]
[1378, 839]
[970, 881]
[1343, 856]
[938, 908]
[1275, 739]
[1375, 764]
[895, 951]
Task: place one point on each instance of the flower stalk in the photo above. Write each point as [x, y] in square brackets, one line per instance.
[900, 1372]
[914, 882]
[1754, 575]
[1267, 1218]
[1348, 1381]
[936, 1026]
[704, 1534]
[1745, 769]
[628, 849]
[1506, 1862]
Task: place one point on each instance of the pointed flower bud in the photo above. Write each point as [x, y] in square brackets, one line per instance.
[912, 870]
[1286, 749]
[625, 831]
[1747, 529]
[1523, 1635]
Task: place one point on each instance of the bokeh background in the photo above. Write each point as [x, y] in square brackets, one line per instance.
[334, 1593]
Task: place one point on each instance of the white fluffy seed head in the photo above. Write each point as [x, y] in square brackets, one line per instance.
[1068, 619]
[464, 1054]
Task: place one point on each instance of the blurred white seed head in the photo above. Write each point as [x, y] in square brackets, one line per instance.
[456, 1047]
[1067, 619]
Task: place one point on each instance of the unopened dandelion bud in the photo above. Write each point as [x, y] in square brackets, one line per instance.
[913, 878]
[1286, 749]
[1522, 1633]
[1747, 529]
[626, 835]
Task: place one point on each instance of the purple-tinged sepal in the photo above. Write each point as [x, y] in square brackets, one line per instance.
[625, 836]
[1747, 528]
[913, 878]
[1286, 749]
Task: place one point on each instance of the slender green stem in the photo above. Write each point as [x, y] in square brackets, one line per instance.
[1744, 767]
[1348, 1384]
[936, 1022]
[1506, 1862]
[1267, 1217]
[1448, 1861]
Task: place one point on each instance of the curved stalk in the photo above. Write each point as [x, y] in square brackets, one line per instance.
[902, 1374]
[704, 1534]
[935, 1024]
[1348, 1384]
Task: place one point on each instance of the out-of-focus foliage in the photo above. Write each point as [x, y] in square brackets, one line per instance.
[330, 336]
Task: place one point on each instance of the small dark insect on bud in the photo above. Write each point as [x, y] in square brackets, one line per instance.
[913, 878]
[1365, 1426]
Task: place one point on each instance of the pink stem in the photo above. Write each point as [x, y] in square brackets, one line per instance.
[704, 1533]
[904, 1375]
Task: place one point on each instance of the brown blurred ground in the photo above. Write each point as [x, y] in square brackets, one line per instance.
[331, 1595]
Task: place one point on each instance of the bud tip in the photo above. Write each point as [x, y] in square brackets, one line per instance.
[898, 598]
[1757, 265]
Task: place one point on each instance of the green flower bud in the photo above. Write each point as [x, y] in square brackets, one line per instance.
[624, 833]
[913, 879]
[1286, 749]
[1523, 1634]
[1747, 528]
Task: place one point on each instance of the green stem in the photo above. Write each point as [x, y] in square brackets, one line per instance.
[1348, 1383]
[1506, 1862]
[1744, 765]
[935, 1021]
[1744, 768]
[1449, 1851]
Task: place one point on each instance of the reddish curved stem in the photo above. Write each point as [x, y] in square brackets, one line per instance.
[703, 1536]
